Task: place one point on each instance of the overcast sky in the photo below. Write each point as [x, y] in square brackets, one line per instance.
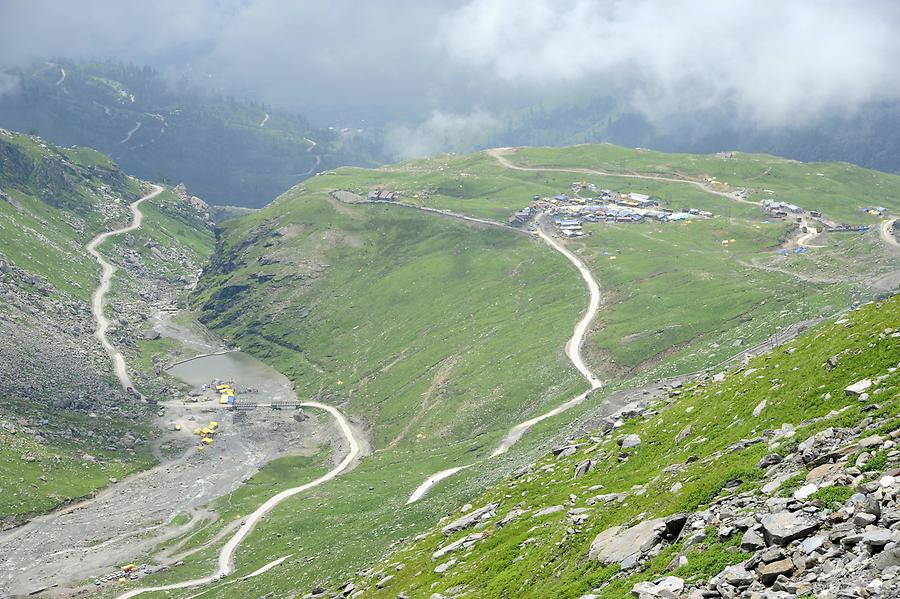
[765, 62]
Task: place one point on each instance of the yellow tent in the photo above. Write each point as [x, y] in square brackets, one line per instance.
[213, 425]
[177, 427]
[207, 440]
[205, 431]
[197, 431]
[223, 400]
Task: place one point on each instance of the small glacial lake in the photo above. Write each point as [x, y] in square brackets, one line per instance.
[243, 369]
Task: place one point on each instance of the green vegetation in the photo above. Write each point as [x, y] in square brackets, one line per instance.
[441, 335]
[876, 462]
[213, 143]
[48, 466]
[832, 497]
[554, 563]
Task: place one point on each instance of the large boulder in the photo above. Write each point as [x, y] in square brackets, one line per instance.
[468, 520]
[615, 544]
[583, 468]
[628, 441]
[768, 573]
[781, 528]
[738, 576]
[858, 387]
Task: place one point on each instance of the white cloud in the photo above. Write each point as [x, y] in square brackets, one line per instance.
[440, 132]
[759, 62]
[766, 62]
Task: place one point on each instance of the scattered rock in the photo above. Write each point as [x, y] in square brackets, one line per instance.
[858, 387]
[628, 441]
[759, 408]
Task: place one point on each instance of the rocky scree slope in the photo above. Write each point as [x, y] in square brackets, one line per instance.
[66, 427]
[776, 479]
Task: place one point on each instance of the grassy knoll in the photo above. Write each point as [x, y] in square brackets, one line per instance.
[676, 291]
[537, 557]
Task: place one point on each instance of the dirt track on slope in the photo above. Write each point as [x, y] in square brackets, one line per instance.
[573, 351]
[130, 518]
[500, 155]
[106, 273]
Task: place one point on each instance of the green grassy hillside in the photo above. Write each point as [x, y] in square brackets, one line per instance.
[440, 335]
[535, 555]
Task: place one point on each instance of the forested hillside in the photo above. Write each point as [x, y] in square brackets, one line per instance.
[229, 151]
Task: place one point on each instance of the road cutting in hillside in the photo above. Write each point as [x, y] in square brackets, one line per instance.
[106, 273]
[226, 554]
[500, 155]
[573, 351]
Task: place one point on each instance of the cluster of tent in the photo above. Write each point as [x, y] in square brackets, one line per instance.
[206, 433]
[227, 394]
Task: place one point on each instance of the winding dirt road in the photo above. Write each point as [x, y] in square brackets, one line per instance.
[573, 351]
[106, 274]
[886, 236]
[226, 555]
[500, 155]
[133, 130]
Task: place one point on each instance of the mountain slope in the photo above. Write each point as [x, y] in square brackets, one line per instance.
[787, 413]
[228, 151]
[67, 427]
[439, 334]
